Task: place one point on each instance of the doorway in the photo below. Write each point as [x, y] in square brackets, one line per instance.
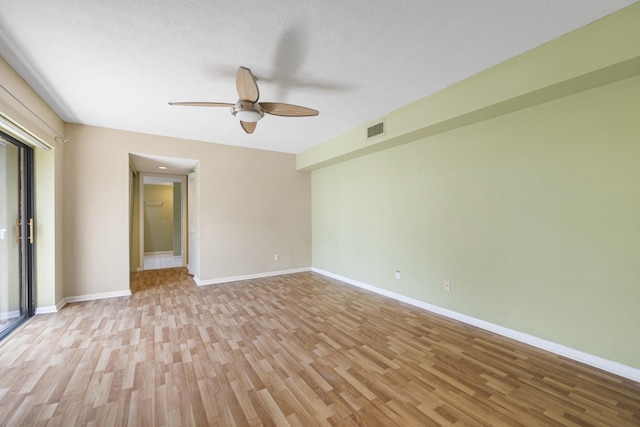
[16, 233]
[152, 169]
[163, 221]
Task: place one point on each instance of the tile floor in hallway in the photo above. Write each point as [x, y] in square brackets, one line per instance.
[157, 260]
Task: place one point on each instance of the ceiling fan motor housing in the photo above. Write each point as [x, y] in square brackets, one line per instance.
[247, 111]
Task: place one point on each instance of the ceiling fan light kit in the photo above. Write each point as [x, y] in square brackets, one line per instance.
[247, 109]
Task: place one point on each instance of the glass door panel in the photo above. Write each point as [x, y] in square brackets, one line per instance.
[15, 228]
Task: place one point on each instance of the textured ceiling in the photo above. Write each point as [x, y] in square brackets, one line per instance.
[117, 63]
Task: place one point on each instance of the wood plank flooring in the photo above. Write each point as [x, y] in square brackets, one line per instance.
[299, 350]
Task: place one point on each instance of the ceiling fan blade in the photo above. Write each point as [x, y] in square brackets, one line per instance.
[247, 85]
[203, 104]
[248, 127]
[287, 110]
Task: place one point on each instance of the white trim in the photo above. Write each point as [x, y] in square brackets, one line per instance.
[80, 298]
[47, 309]
[51, 308]
[91, 297]
[559, 349]
[6, 315]
[248, 276]
[14, 129]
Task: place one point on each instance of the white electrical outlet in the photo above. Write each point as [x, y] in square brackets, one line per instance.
[447, 286]
[276, 257]
[398, 274]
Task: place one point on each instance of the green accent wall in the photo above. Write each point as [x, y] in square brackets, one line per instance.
[529, 205]
[158, 218]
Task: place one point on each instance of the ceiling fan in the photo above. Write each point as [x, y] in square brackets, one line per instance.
[247, 109]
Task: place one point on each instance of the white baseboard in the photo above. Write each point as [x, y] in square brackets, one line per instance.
[6, 315]
[248, 276]
[80, 298]
[559, 349]
[91, 297]
[50, 308]
[160, 253]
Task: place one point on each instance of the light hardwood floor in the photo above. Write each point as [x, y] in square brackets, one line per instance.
[300, 350]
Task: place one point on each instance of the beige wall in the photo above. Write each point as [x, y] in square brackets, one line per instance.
[252, 204]
[48, 183]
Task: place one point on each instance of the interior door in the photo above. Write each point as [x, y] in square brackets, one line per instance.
[16, 233]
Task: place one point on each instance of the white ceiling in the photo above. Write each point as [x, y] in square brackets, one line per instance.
[117, 63]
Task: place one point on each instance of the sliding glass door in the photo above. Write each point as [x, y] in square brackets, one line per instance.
[16, 233]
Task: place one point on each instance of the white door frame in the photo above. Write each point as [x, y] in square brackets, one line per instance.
[192, 265]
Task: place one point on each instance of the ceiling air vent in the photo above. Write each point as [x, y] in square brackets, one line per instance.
[375, 130]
